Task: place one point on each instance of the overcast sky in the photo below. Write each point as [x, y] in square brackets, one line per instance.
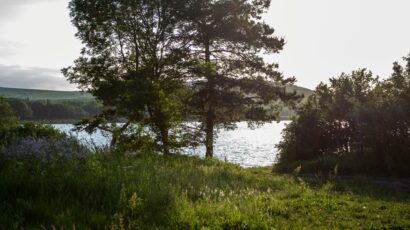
[324, 38]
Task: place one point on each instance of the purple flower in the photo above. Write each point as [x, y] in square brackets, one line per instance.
[47, 150]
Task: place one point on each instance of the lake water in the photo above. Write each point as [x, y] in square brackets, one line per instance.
[244, 146]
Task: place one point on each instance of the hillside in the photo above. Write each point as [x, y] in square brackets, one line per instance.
[57, 97]
[34, 94]
[300, 90]
[287, 113]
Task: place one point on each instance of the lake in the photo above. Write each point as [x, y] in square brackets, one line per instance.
[243, 146]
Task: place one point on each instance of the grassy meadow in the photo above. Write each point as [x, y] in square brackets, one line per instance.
[113, 191]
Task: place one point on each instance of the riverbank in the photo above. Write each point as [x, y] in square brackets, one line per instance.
[180, 192]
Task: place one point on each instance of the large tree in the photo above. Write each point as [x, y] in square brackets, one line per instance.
[232, 81]
[130, 62]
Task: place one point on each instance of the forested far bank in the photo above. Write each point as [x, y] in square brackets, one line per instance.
[38, 94]
[71, 107]
[51, 111]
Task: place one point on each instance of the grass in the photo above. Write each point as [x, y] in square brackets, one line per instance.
[110, 191]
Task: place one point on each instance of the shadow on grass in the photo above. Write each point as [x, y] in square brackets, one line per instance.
[386, 189]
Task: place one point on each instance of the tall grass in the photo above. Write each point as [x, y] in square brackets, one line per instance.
[112, 191]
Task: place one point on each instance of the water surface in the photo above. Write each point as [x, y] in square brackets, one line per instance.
[244, 146]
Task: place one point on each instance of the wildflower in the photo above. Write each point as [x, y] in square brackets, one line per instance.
[47, 150]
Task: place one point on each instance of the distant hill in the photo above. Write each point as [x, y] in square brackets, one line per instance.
[58, 96]
[34, 94]
[287, 113]
[300, 90]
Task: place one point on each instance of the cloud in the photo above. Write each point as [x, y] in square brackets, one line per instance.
[8, 48]
[9, 8]
[6, 4]
[32, 78]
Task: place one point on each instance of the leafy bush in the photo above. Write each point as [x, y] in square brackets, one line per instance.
[46, 150]
[357, 120]
[13, 135]
[7, 117]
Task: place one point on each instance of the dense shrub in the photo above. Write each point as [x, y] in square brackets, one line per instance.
[46, 150]
[13, 135]
[40, 147]
[7, 116]
[357, 119]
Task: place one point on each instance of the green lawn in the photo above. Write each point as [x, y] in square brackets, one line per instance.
[179, 192]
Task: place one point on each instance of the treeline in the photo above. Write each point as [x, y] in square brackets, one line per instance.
[356, 124]
[47, 110]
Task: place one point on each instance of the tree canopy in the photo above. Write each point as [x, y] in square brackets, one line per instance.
[357, 118]
[232, 81]
[130, 62]
[159, 63]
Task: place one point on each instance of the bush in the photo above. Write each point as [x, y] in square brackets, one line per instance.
[358, 122]
[46, 150]
[7, 116]
[13, 135]
[36, 142]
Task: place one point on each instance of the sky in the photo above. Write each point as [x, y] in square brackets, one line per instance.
[323, 39]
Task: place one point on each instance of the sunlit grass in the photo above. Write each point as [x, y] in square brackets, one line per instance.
[179, 192]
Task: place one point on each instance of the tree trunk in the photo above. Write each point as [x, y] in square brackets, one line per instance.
[209, 122]
[162, 128]
[165, 141]
[209, 135]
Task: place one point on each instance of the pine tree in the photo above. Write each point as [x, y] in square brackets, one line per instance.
[130, 62]
[232, 81]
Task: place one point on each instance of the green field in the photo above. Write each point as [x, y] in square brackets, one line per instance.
[33, 94]
[179, 192]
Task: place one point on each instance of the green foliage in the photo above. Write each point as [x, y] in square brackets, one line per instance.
[357, 120]
[135, 139]
[114, 191]
[54, 110]
[33, 140]
[7, 117]
[140, 57]
[232, 82]
[131, 62]
[20, 108]
[12, 136]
